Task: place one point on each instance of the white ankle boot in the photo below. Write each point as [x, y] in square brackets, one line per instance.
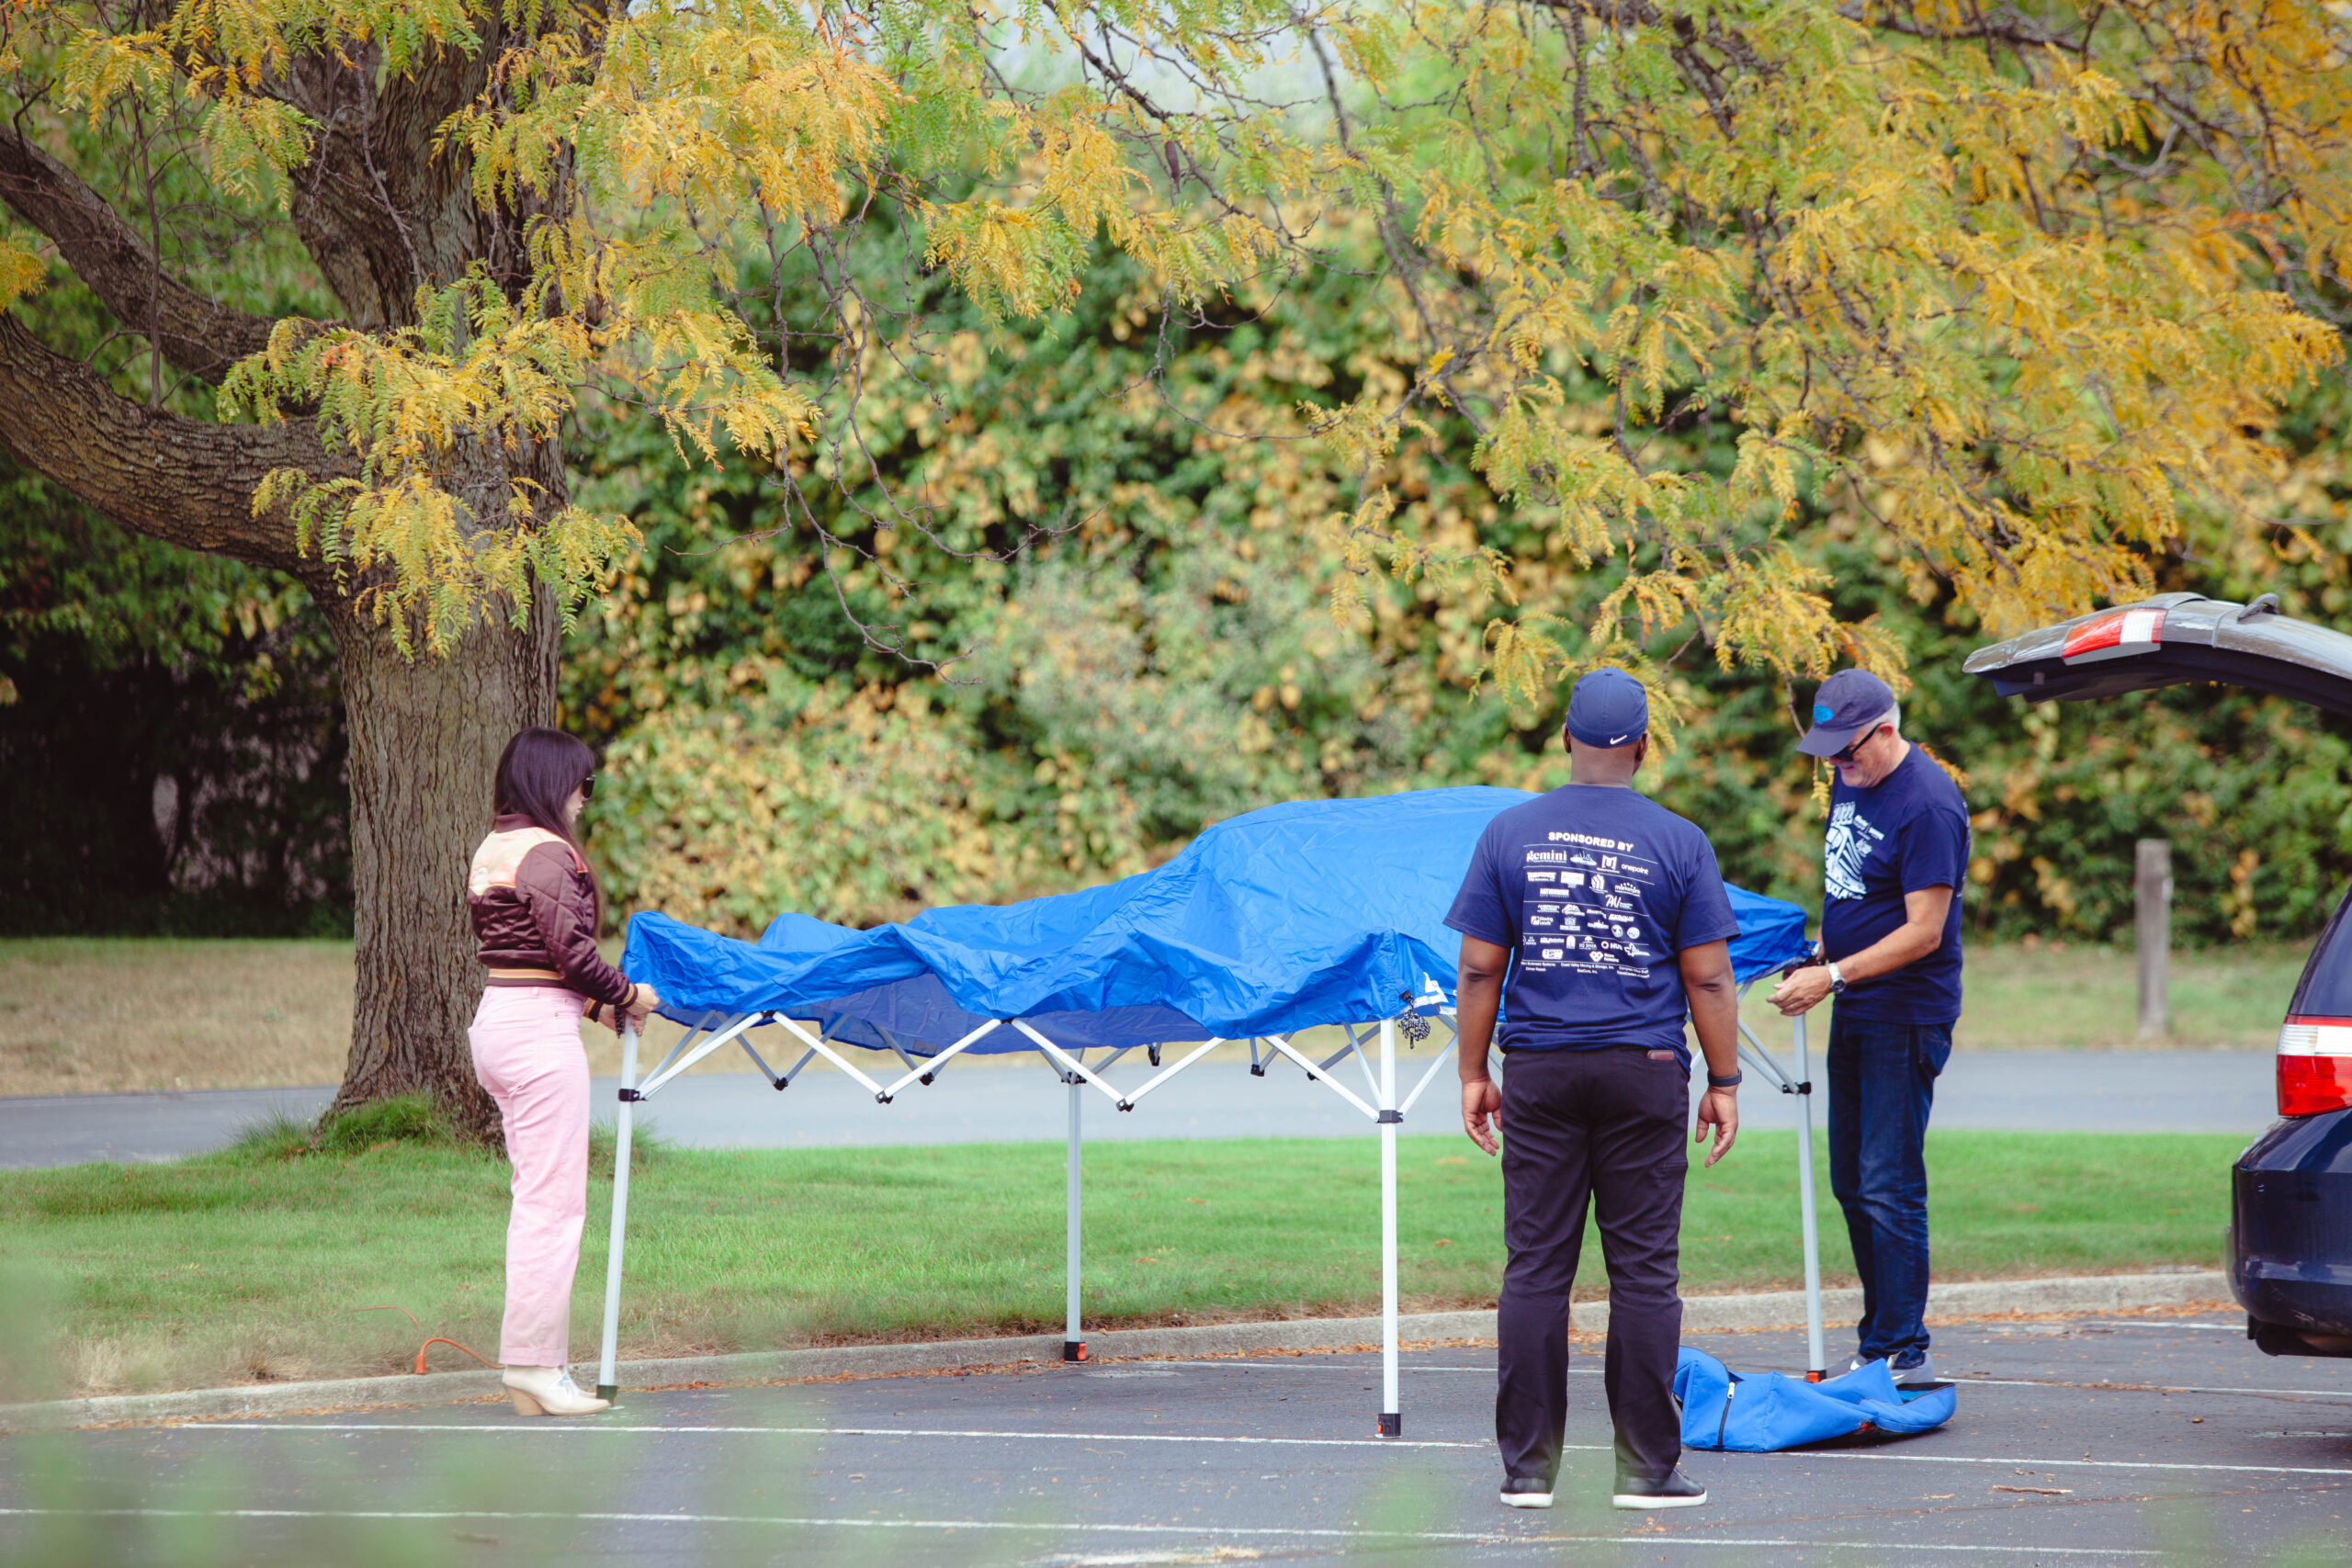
[549, 1391]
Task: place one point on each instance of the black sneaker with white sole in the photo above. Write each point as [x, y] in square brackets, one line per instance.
[1526, 1491]
[1676, 1491]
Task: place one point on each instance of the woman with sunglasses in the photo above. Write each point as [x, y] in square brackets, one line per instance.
[536, 910]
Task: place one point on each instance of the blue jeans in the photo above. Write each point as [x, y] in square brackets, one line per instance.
[1881, 1085]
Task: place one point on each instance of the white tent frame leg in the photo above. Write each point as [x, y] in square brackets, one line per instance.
[1073, 1338]
[607, 1380]
[1798, 1083]
[1389, 1114]
[1071, 1068]
[1392, 1418]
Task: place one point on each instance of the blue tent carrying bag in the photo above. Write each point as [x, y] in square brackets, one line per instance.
[1767, 1413]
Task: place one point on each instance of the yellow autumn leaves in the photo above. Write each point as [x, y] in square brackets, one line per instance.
[2018, 294]
[1986, 294]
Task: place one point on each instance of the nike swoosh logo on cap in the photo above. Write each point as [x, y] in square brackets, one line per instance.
[1620, 741]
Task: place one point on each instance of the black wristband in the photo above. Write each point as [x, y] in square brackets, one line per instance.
[1731, 1082]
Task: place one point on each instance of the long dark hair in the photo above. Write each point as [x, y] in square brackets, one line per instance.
[537, 773]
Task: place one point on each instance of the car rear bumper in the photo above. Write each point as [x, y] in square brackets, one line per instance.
[2289, 1240]
[2311, 1304]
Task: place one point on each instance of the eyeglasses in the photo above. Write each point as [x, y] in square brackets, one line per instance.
[1859, 742]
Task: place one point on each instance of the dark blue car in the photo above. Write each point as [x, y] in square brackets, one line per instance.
[2289, 1241]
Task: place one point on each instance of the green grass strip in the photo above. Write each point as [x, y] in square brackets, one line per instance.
[260, 1262]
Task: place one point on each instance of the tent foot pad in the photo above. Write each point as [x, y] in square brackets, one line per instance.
[1392, 1424]
[609, 1391]
[1073, 1350]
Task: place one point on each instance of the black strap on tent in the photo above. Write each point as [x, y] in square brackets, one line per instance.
[1415, 1027]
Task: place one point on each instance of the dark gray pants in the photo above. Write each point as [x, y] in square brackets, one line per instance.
[1603, 1127]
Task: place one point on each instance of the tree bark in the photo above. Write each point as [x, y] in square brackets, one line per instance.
[384, 212]
[425, 734]
[201, 336]
[181, 481]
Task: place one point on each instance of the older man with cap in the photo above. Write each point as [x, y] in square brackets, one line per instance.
[1604, 918]
[1892, 865]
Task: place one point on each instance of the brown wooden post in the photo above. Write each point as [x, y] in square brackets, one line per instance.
[2151, 926]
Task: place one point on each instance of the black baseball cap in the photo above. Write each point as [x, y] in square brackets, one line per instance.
[1848, 704]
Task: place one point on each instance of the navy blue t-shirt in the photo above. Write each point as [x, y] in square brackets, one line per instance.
[1908, 832]
[1594, 889]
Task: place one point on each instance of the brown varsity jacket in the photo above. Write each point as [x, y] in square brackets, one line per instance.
[535, 913]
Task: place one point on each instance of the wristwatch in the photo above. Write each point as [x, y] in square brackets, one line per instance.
[1837, 980]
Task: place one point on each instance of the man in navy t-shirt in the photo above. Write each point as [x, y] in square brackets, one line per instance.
[1594, 920]
[1892, 869]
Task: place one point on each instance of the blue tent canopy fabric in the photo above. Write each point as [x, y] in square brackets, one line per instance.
[1767, 1413]
[1311, 912]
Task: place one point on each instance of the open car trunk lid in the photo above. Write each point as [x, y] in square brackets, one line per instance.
[2174, 639]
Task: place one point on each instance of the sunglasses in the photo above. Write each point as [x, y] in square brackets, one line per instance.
[588, 787]
[1857, 743]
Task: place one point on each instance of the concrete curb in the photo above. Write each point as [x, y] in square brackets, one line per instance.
[1971, 1298]
[1780, 1308]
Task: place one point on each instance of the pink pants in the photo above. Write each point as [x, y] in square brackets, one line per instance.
[526, 1051]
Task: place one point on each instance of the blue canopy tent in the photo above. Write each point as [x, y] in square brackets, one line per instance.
[1313, 913]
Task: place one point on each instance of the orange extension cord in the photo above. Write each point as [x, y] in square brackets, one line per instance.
[428, 1345]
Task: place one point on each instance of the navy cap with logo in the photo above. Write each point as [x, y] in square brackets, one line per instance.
[1848, 704]
[1608, 707]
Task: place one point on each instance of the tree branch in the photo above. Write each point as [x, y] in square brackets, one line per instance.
[181, 481]
[199, 335]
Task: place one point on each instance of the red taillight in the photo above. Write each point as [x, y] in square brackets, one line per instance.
[2113, 635]
[2314, 1065]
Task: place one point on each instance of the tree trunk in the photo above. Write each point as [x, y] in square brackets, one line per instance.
[426, 735]
[384, 208]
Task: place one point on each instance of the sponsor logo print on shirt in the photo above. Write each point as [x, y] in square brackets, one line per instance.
[1549, 857]
[1845, 848]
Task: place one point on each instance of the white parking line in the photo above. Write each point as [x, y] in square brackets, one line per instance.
[1359, 1369]
[1992, 1382]
[515, 1427]
[1475, 1537]
[2151, 1388]
[530, 1428]
[2023, 1463]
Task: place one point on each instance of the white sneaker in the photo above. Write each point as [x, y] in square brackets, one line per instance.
[549, 1391]
[1924, 1373]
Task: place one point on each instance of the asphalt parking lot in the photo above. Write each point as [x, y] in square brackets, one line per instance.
[2041, 1091]
[2080, 1441]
